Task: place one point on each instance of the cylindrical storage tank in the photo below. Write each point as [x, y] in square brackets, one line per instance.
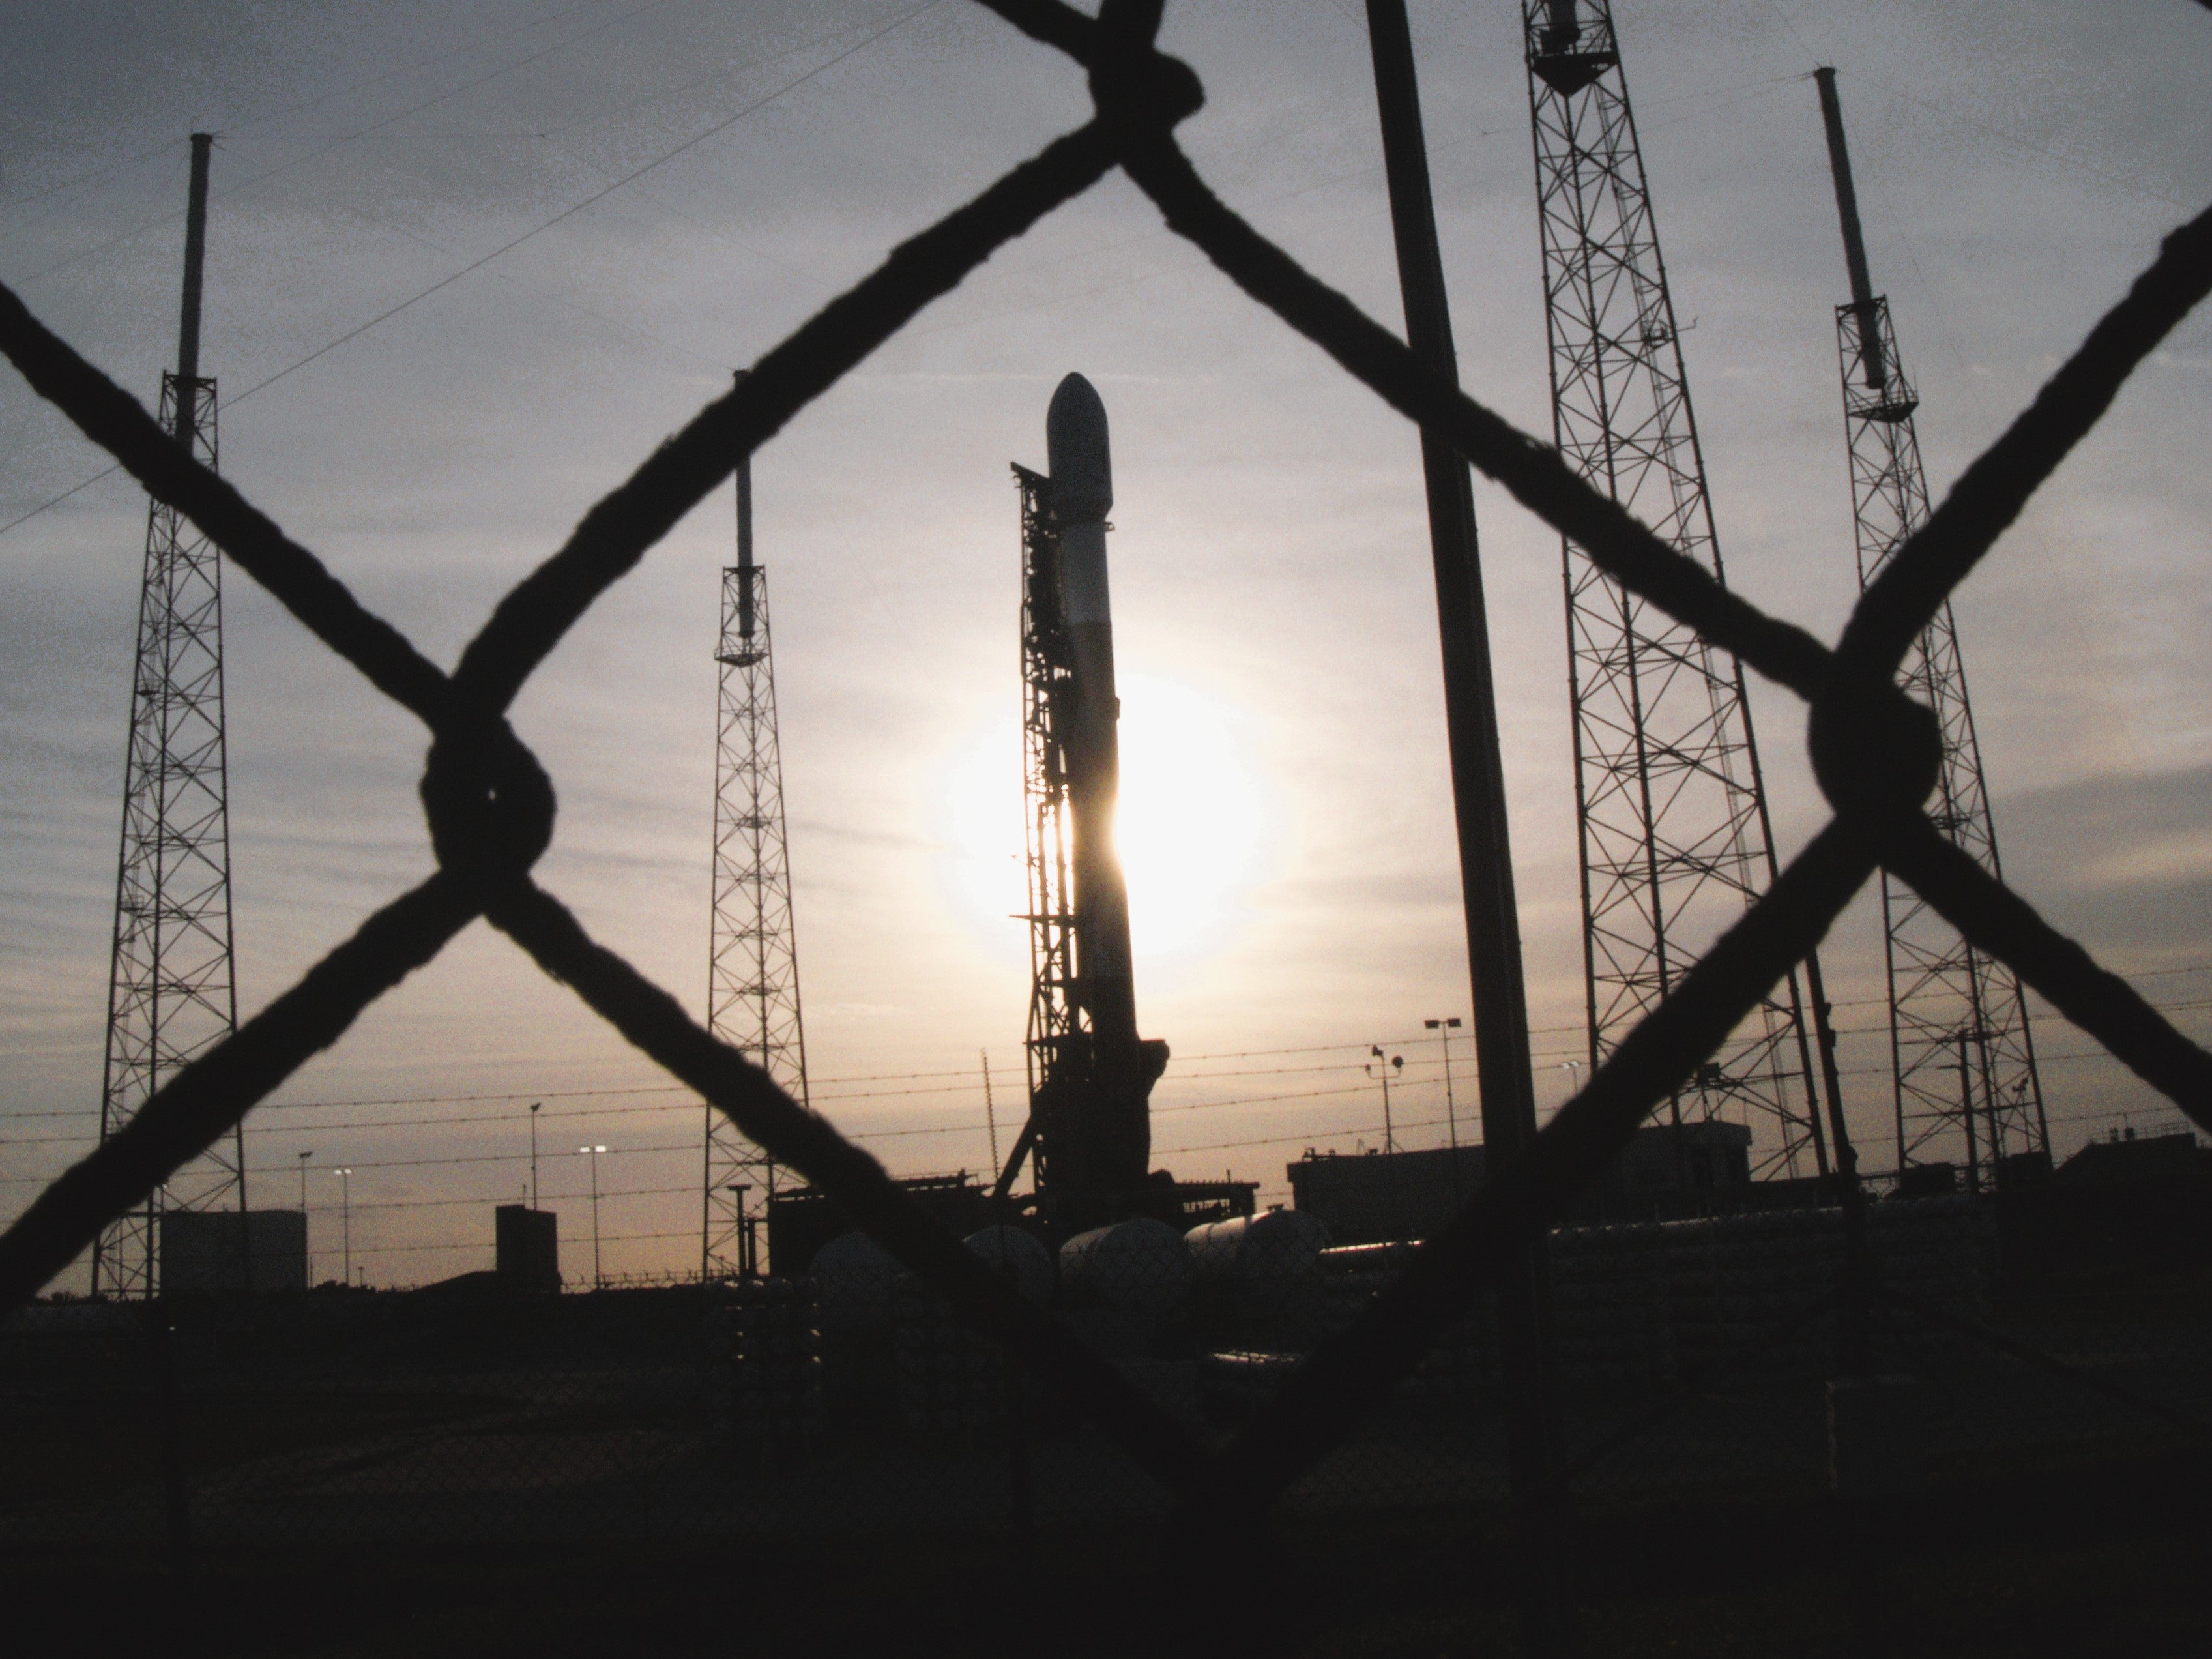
[1265, 1266]
[1017, 1255]
[853, 1276]
[1141, 1266]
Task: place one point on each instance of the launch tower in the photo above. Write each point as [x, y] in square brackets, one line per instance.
[172, 991]
[1962, 1055]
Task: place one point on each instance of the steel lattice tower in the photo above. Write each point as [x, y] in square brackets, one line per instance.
[1676, 840]
[1058, 1044]
[172, 990]
[1960, 1045]
[752, 985]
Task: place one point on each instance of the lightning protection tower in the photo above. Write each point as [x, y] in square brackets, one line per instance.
[172, 992]
[752, 984]
[1675, 841]
[1960, 1045]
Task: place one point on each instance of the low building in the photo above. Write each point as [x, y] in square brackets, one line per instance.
[1369, 1198]
[526, 1246]
[2130, 1206]
[1665, 1172]
[802, 1219]
[225, 1252]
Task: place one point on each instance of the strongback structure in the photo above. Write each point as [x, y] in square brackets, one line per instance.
[1962, 1053]
[752, 981]
[1676, 840]
[172, 992]
[1091, 1075]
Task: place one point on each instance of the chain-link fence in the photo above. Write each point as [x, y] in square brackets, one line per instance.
[934, 1383]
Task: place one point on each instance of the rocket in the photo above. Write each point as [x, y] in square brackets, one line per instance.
[1106, 1137]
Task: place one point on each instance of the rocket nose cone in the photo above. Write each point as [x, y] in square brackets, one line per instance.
[1075, 451]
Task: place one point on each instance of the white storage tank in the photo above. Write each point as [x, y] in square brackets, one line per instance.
[1140, 1266]
[1267, 1265]
[853, 1276]
[1018, 1256]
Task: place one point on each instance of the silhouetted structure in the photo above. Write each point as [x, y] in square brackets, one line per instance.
[171, 990]
[752, 980]
[2128, 1206]
[1675, 842]
[1962, 1052]
[802, 1219]
[1091, 1075]
[526, 1248]
[1665, 1170]
[226, 1252]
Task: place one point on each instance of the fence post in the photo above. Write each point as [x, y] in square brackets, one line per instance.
[1493, 927]
[168, 1414]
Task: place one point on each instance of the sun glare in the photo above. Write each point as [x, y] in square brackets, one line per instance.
[1189, 826]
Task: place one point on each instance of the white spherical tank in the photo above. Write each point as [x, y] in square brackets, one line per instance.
[1018, 1256]
[1141, 1266]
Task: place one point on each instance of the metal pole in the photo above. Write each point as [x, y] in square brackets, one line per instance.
[599, 1276]
[188, 325]
[1389, 1135]
[534, 1105]
[738, 1190]
[1493, 927]
[745, 598]
[1847, 210]
[1443, 1028]
[990, 1108]
[1967, 1113]
[345, 1188]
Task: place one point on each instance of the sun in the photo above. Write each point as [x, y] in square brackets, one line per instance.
[1190, 824]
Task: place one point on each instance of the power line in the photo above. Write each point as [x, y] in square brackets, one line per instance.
[477, 264]
[103, 173]
[377, 126]
[828, 1089]
[601, 194]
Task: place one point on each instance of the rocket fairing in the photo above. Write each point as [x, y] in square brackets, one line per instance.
[1082, 492]
[1105, 1143]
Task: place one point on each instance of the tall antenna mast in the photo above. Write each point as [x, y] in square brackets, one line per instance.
[1676, 840]
[1960, 1044]
[172, 992]
[752, 978]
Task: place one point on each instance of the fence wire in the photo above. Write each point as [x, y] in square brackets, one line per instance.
[1255, 1425]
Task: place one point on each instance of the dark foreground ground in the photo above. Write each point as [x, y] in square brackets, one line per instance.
[2109, 1560]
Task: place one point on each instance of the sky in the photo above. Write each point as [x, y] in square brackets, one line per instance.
[442, 325]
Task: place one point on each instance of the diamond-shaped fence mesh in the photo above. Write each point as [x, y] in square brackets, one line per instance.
[939, 1384]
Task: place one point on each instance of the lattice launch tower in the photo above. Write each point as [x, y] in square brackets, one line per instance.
[1964, 1077]
[1675, 841]
[172, 987]
[752, 982]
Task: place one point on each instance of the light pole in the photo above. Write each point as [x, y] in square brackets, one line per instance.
[306, 1256]
[1443, 1028]
[534, 1105]
[599, 1279]
[1574, 1069]
[345, 1181]
[1397, 1063]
